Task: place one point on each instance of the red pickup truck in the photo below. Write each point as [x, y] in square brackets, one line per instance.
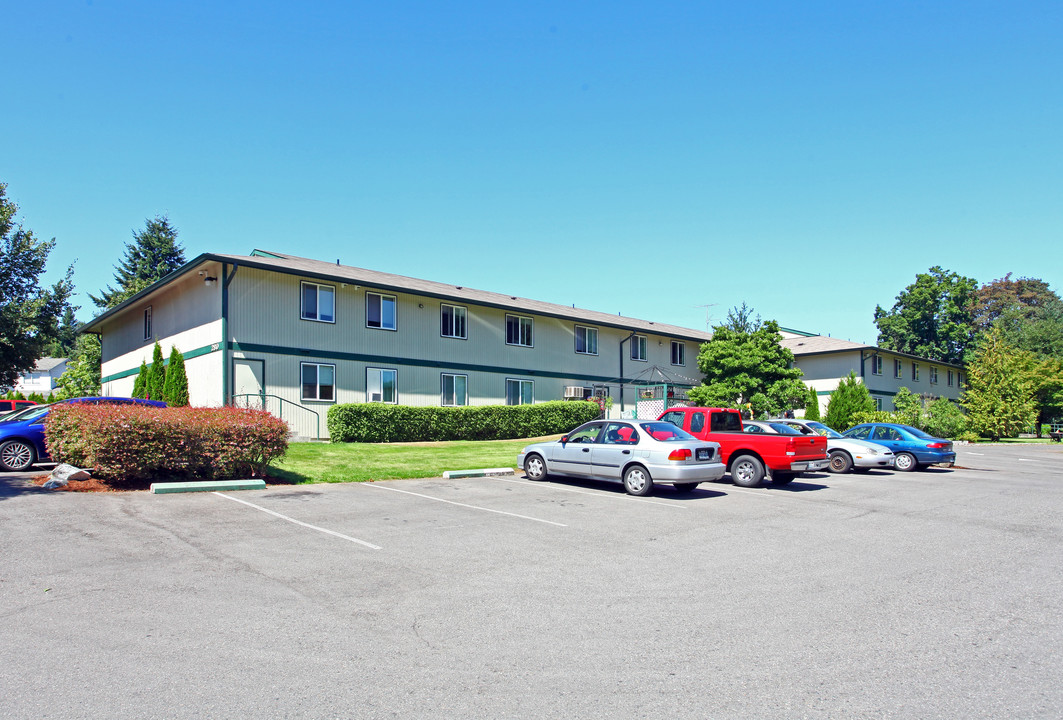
[749, 456]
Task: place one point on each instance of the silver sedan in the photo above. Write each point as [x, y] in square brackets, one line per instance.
[845, 453]
[637, 453]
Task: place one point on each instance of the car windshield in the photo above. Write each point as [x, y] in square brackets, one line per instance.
[666, 432]
[822, 429]
[33, 412]
[783, 428]
[916, 431]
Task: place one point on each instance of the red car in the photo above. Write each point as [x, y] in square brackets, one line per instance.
[7, 406]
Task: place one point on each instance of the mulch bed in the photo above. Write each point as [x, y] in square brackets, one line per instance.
[97, 485]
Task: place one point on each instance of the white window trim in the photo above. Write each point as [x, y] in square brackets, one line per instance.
[898, 369]
[368, 397]
[587, 330]
[443, 394]
[465, 322]
[640, 341]
[531, 330]
[382, 297]
[522, 381]
[876, 364]
[302, 309]
[915, 372]
[317, 385]
[682, 352]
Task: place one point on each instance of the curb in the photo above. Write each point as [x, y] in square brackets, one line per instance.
[207, 486]
[488, 472]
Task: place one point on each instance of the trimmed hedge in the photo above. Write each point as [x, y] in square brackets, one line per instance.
[376, 422]
[139, 442]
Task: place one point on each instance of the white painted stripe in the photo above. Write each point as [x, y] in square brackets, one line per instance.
[371, 546]
[599, 494]
[971, 453]
[452, 502]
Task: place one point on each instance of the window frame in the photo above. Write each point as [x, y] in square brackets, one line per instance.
[587, 333]
[933, 375]
[148, 328]
[317, 384]
[915, 371]
[876, 364]
[682, 347]
[443, 389]
[303, 284]
[642, 342]
[898, 369]
[395, 310]
[453, 316]
[520, 333]
[521, 382]
[394, 385]
[951, 376]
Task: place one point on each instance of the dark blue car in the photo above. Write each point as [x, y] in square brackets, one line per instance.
[912, 448]
[22, 433]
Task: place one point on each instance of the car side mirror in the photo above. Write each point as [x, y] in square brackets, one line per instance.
[564, 439]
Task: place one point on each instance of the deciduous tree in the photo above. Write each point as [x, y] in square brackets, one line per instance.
[931, 317]
[999, 396]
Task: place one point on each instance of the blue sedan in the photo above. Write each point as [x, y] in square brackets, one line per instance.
[912, 448]
[22, 433]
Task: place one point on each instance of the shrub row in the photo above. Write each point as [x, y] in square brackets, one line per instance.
[134, 442]
[374, 422]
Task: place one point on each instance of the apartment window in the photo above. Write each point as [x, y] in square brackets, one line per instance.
[933, 375]
[878, 403]
[950, 378]
[318, 303]
[897, 365]
[915, 371]
[380, 311]
[319, 381]
[452, 321]
[876, 364]
[380, 385]
[959, 379]
[519, 330]
[638, 348]
[455, 390]
[147, 323]
[519, 392]
[586, 340]
[679, 353]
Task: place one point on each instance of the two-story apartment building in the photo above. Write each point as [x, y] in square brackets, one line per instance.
[307, 334]
[826, 361]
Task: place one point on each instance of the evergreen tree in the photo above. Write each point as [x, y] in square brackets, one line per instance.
[82, 375]
[999, 397]
[812, 405]
[140, 385]
[849, 398]
[153, 254]
[176, 390]
[156, 384]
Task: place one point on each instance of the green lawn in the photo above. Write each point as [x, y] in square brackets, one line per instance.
[355, 462]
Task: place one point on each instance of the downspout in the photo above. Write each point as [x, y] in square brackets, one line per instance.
[622, 371]
[227, 277]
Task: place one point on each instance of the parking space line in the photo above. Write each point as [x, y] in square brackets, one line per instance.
[598, 494]
[371, 546]
[452, 502]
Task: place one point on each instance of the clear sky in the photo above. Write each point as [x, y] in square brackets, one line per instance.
[651, 159]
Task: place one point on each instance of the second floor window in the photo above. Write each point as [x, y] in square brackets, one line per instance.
[318, 302]
[586, 340]
[876, 364]
[452, 321]
[897, 372]
[933, 376]
[915, 371]
[519, 330]
[679, 353]
[380, 311]
[147, 323]
[638, 348]
[950, 377]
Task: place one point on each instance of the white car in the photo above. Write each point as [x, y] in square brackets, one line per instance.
[846, 454]
[637, 453]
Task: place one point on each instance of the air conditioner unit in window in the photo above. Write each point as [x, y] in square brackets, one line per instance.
[575, 391]
[375, 397]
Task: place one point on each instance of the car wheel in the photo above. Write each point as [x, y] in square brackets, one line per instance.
[637, 481]
[747, 471]
[685, 487]
[840, 462]
[17, 455]
[783, 478]
[535, 467]
[905, 462]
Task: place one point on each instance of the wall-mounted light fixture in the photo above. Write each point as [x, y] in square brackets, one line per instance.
[210, 281]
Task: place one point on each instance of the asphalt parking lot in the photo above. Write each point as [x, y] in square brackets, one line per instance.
[888, 595]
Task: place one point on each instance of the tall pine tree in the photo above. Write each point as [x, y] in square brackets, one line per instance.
[153, 254]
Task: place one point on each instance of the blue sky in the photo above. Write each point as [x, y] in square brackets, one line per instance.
[649, 159]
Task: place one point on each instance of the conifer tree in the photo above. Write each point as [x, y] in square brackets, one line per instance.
[140, 385]
[156, 375]
[153, 254]
[999, 397]
[849, 398]
[176, 391]
[812, 405]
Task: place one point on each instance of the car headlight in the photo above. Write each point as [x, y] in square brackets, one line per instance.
[872, 451]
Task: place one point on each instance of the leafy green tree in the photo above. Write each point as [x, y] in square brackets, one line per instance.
[29, 314]
[812, 405]
[156, 385]
[82, 375]
[943, 418]
[908, 408]
[931, 317]
[153, 254]
[176, 391]
[140, 385]
[999, 396]
[849, 398]
[1025, 295]
[749, 367]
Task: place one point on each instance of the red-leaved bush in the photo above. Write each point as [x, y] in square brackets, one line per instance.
[140, 442]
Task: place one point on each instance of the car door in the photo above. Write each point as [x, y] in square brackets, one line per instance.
[614, 450]
[887, 436]
[574, 456]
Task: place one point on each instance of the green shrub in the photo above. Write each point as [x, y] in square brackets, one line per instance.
[140, 442]
[944, 419]
[376, 422]
[872, 416]
[849, 398]
[812, 405]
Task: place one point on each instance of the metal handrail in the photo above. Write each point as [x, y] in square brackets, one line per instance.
[283, 401]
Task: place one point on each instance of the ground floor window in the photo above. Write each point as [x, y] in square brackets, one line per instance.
[380, 385]
[455, 390]
[519, 392]
[319, 381]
